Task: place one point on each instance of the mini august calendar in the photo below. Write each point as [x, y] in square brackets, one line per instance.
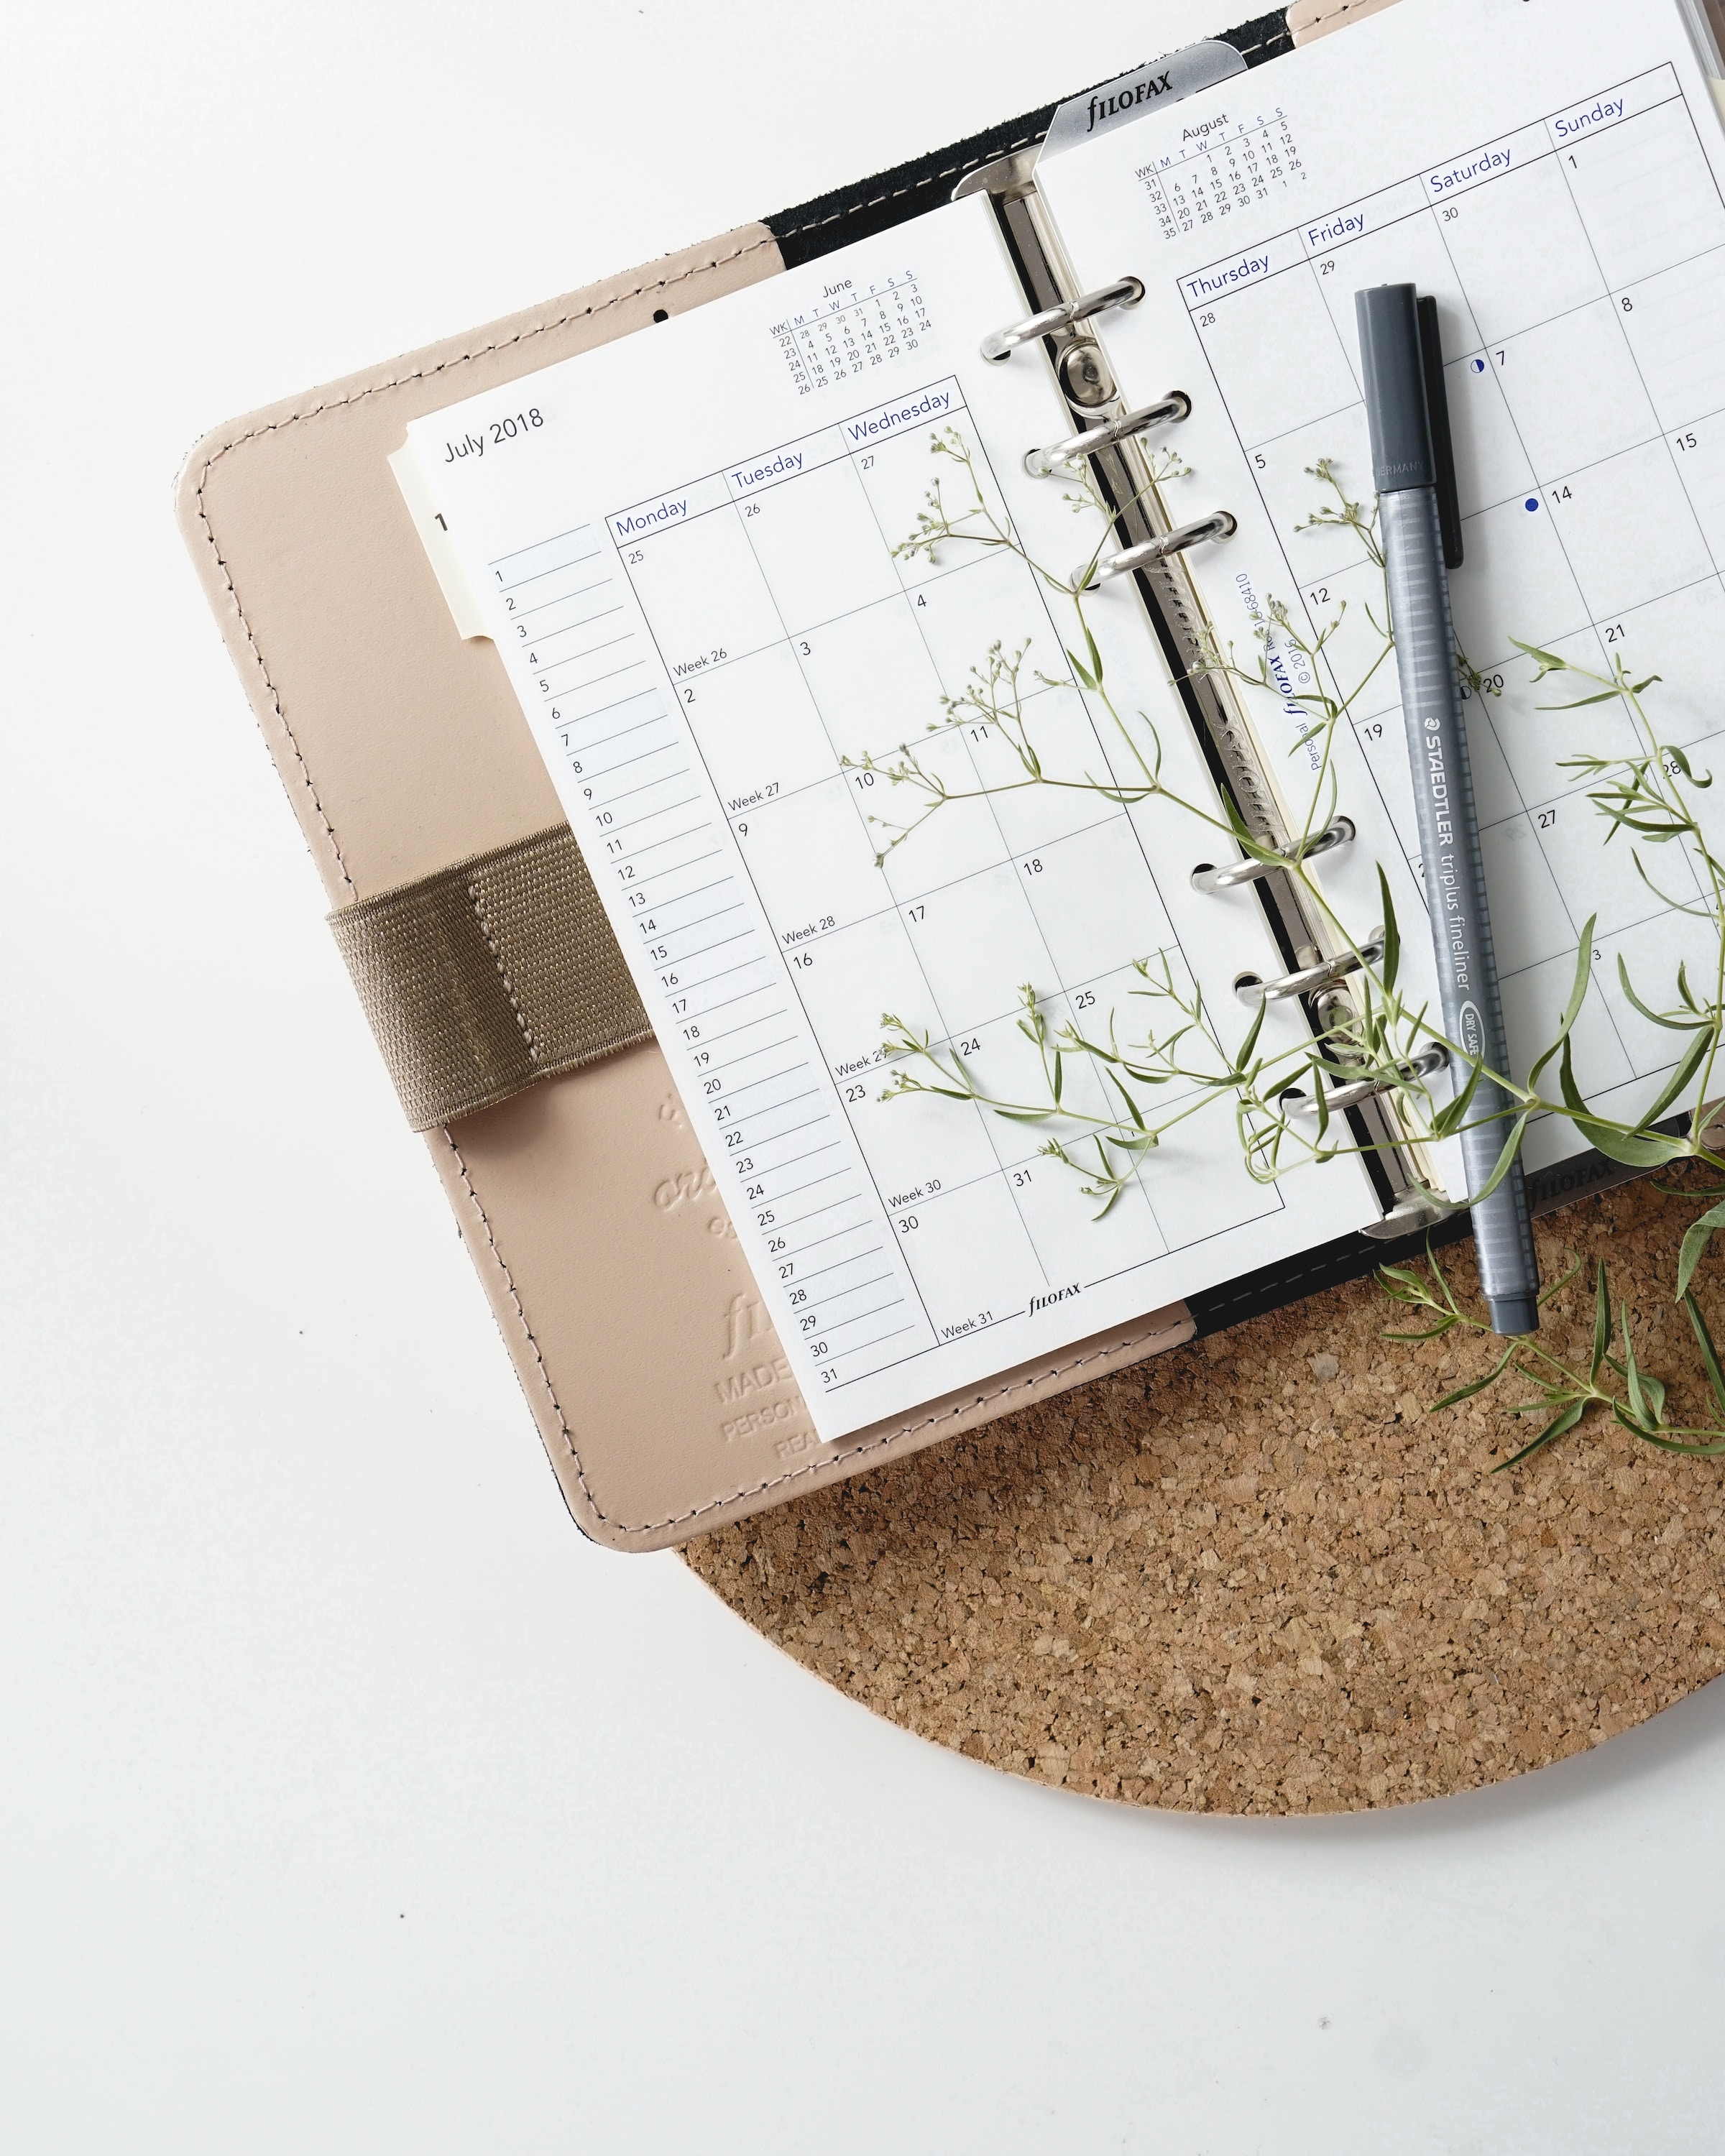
[696, 552]
[1220, 169]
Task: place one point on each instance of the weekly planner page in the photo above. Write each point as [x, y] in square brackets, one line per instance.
[690, 544]
[1549, 171]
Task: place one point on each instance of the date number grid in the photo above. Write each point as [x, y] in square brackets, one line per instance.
[1578, 267]
[799, 644]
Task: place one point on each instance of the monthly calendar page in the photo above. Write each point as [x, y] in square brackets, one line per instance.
[688, 546]
[1549, 171]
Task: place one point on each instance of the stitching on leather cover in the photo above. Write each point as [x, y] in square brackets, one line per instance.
[358, 396]
[910, 188]
[909, 1430]
[791, 1475]
[772, 1482]
[275, 694]
[1245, 1294]
[425, 373]
[1263, 44]
[954, 172]
[476, 901]
[1330, 14]
[508, 1279]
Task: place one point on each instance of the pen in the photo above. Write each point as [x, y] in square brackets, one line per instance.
[1410, 427]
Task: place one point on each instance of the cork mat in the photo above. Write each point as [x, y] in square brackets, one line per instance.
[1254, 1576]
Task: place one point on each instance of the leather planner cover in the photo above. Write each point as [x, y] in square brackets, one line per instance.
[661, 1392]
[658, 1386]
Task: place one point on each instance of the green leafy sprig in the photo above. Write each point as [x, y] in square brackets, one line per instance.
[1613, 1379]
[1171, 1056]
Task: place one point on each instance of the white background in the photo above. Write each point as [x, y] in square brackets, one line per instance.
[348, 1799]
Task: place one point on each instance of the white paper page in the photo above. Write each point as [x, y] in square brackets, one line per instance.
[1549, 170]
[686, 540]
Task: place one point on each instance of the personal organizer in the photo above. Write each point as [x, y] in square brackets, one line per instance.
[710, 618]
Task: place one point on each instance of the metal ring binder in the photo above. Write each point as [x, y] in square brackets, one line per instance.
[1043, 463]
[1167, 590]
[1220, 525]
[1206, 877]
[1309, 980]
[1123, 292]
[1430, 1058]
[1415, 1207]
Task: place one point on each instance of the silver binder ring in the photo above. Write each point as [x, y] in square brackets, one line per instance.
[1207, 878]
[1414, 1208]
[1431, 1058]
[1123, 292]
[1309, 980]
[1221, 525]
[1043, 463]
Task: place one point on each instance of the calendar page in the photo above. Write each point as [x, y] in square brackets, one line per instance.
[689, 545]
[1549, 171]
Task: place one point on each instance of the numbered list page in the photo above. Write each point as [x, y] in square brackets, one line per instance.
[1549, 172]
[690, 544]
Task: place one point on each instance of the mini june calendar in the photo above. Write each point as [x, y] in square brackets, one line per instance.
[851, 330]
[1567, 216]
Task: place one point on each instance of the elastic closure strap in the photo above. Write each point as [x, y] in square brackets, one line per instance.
[489, 975]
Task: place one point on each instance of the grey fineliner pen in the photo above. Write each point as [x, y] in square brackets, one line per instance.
[1405, 470]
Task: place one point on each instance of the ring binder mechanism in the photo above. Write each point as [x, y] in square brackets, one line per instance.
[1219, 524]
[1431, 1059]
[1043, 463]
[1415, 1208]
[1313, 979]
[1206, 877]
[1123, 292]
[1152, 556]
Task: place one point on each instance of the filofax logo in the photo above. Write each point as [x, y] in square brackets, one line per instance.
[1141, 92]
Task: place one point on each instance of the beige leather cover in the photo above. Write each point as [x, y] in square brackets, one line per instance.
[1309, 19]
[661, 1392]
[1316, 18]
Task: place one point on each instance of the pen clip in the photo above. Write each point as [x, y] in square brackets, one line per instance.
[1442, 447]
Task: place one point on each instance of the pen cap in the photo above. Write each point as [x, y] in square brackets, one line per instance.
[1395, 369]
[1443, 444]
